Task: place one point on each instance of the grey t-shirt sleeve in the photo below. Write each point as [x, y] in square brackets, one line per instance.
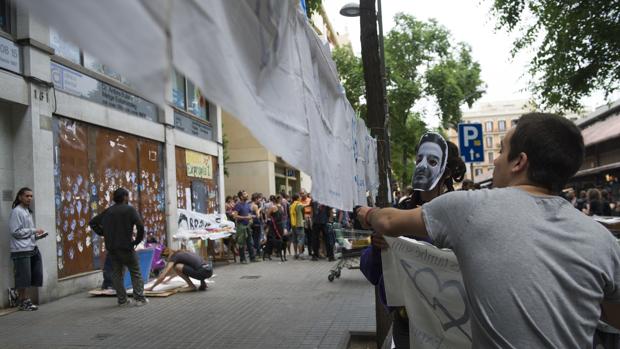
[443, 216]
[612, 287]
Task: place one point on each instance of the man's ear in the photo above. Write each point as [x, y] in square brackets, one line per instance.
[520, 163]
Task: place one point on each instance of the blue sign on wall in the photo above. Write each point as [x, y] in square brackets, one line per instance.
[470, 142]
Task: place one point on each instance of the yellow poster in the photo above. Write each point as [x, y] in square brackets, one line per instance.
[198, 165]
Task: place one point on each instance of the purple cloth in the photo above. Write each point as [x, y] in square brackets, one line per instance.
[370, 265]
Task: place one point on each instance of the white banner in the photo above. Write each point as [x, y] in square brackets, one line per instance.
[260, 60]
[210, 226]
[428, 282]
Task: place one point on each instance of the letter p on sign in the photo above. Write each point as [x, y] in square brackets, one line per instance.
[471, 133]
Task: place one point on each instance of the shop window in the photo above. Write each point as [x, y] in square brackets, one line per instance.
[64, 48]
[478, 171]
[188, 97]
[73, 53]
[178, 90]
[5, 16]
[488, 126]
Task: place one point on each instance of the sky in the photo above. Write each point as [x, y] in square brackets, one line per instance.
[469, 21]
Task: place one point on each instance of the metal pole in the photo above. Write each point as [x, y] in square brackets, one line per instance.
[471, 170]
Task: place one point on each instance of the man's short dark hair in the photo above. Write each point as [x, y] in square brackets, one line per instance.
[554, 148]
[119, 195]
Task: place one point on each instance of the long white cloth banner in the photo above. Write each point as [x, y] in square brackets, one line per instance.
[428, 282]
[260, 60]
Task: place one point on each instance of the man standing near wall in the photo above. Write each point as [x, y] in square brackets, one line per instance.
[24, 252]
[116, 225]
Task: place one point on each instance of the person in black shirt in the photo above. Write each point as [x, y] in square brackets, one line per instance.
[116, 225]
[185, 264]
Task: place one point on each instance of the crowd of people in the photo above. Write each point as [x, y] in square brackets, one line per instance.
[594, 202]
[282, 225]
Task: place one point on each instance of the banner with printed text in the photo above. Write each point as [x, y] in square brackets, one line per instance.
[428, 282]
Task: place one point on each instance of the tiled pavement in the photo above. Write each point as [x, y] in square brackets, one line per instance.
[290, 305]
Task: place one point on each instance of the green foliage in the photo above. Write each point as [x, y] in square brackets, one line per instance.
[312, 6]
[351, 76]
[226, 154]
[421, 62]
[576, 45]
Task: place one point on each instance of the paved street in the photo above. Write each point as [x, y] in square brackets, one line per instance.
[290, 305]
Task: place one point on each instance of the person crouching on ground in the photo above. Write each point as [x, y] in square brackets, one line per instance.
[116, 225]
[186, 265]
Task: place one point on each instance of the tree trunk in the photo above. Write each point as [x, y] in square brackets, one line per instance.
[375, 93]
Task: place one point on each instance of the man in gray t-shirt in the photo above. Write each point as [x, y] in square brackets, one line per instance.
[536, 277]
[536, 270]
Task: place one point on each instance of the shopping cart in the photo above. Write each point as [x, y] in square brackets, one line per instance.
[351, 243]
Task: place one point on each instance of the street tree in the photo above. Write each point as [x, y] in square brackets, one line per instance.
[576, 45]
[421, 62]
[351, 76]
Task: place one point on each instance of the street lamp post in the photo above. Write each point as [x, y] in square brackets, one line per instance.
[373, 60]
[376, 101]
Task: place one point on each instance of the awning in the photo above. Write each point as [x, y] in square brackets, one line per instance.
[599, 169]
[602, 130]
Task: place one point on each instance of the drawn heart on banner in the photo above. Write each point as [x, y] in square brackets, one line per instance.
[435, 303]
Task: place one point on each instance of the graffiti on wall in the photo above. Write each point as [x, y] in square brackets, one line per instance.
[89, 164]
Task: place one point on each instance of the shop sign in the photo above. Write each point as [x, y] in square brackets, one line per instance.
[198, 165]
[194, 127]
[81, 85]
[9, 56]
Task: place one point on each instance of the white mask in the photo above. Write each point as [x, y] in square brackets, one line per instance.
[430, 162]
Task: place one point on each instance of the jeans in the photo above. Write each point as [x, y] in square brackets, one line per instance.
[256, 235]
[319, 229]
[244, 239]
[129, 259]
[107, 273]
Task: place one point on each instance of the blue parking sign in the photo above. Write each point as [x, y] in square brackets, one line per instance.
[470, 142]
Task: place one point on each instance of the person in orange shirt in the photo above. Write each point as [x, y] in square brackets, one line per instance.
[306, 201]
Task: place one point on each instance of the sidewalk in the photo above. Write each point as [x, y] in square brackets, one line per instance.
[260, 305]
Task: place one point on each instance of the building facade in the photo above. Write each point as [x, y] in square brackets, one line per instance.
[253, 168]
[73, 130]
[601, 165]
[496, 119]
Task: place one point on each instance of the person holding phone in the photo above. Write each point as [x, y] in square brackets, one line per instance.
[24, 252]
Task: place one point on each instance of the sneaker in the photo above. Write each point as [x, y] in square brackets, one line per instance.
[203, 286]
[27, 305]
[141, 302]
[125, 304]
[244, 262]
[13, 301]
[296, 256]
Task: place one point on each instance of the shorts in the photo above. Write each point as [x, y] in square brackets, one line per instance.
[299, 237]
[204, 272]
[28, 268]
